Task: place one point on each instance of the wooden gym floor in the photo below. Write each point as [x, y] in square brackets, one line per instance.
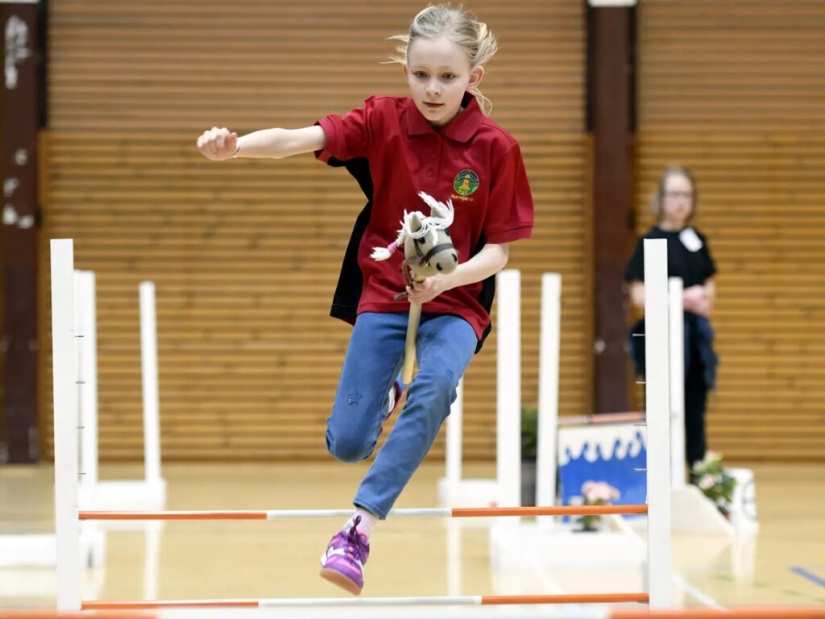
[783, 564]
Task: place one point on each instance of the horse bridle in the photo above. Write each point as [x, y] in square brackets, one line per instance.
[433, 250]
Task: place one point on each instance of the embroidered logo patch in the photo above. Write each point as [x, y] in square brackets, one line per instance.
[466, 182]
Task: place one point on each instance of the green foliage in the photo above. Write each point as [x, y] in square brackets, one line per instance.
[714, 481]
[529, 432]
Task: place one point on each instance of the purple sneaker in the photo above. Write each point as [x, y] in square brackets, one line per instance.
[343, 562]
[395, 395]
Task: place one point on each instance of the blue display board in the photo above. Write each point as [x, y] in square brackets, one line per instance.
[615, 454]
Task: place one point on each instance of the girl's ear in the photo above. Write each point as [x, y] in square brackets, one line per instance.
[476, 75]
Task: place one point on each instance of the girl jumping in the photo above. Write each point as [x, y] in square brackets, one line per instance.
[438, 140]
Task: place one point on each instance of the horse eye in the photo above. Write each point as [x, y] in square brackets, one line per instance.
[455, 257]
[438, 266]
[419, 241]
[447, 231]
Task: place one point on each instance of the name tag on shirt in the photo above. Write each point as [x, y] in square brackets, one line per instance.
[690, 239]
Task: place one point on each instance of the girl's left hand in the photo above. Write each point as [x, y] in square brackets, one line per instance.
[427, 290]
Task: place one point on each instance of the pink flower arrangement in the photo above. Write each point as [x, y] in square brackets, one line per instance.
[715, 482]
[599, 493]
[707, 481]
[596, 493]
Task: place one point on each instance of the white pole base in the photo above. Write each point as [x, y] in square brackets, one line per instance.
[140, 495]
[532, 547]
[31, 583]
[468, 493]
[40, 550]
[694, 513]
[129, 495]
[743, 515]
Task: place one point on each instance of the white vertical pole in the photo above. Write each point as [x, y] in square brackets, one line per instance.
[657, 408]
[455, 431]
[455, 436]
[87, 327]
[453, 556]
[677, 382]
[549, 343]
[151, 397]
[508, 406]
[151, 559]
[64, 377]
[86, 321]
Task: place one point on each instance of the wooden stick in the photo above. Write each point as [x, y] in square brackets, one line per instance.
[409, 347]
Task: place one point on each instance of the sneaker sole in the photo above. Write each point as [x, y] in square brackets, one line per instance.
[337, 578]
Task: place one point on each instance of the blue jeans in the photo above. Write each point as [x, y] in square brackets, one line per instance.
[446, 345]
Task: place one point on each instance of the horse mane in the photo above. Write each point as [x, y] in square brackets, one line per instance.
[441, 218]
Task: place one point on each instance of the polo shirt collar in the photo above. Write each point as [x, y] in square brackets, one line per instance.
[461, 128]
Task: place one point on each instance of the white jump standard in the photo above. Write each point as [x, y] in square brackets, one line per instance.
[457, 491]
[69, 516]
[147, 493]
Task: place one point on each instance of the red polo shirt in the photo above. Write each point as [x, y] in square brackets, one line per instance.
[471, 161]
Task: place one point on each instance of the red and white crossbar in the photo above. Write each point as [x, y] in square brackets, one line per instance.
[740, 612]
[292, 514]
[457, 600]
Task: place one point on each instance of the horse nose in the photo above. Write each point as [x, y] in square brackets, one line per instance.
[453, 255]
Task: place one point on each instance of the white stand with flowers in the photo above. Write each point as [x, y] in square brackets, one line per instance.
[694, 512]
[698, 508]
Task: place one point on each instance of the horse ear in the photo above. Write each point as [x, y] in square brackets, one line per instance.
[436, 208]
[427, 198]
[437, 211]
[415, 221]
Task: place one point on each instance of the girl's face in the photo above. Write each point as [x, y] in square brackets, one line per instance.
[677, 200]
[439, 74]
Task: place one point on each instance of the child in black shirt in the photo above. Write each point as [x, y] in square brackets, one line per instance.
[674, 203]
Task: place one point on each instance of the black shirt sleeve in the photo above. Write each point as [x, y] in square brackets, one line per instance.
[347, 293]
[708, 263]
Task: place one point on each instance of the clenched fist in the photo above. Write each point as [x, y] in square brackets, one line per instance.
[218, 144]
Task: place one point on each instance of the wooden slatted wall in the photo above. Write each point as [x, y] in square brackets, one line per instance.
[245, 255]
[3, 454]
[735, 90]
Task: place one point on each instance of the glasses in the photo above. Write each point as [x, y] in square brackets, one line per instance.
[687, 195]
